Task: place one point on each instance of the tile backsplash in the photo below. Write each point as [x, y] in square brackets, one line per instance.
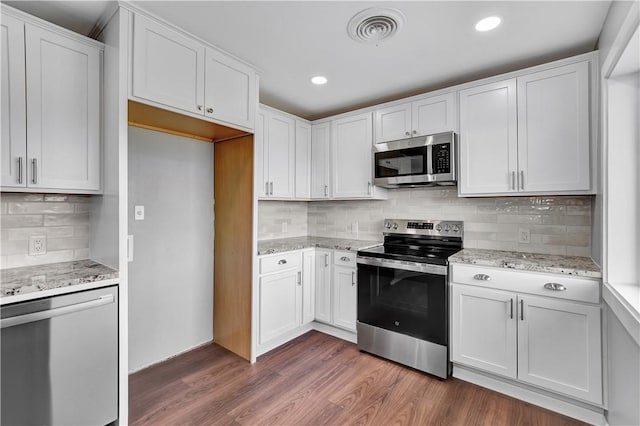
[62, 219]
[273, 214]
[557, 224]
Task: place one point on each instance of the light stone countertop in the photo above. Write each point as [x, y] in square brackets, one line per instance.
[298, 243]
[30, 280]
[534, 262]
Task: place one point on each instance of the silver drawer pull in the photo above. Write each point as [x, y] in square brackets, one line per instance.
[555, 287]
[282, 262]
[482, 277]
[345, 259]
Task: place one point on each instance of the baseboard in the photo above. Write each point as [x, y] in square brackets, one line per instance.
[271, 345]
[340, 333]
[189, 349]
[577, 410]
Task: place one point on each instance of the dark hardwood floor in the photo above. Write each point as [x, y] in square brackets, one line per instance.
[314, 380]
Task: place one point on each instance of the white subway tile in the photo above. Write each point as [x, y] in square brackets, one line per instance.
[40, 208]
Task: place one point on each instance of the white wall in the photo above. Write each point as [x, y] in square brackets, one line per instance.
[171, 276]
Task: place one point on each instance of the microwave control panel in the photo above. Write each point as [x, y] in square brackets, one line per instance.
[441, 158]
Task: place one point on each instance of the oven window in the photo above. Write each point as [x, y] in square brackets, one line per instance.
[412, 303]
[405, 162]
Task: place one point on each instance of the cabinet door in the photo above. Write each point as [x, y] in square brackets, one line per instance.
[553, 129]
[168, 67]
[303, 160]
[279, 304]
[230, 90]
[484, 329]
[559, 347]
[261, 166]
[434, 115]
[281, 155]
[308, 286]
[14, 121]
[323, 285]
[488, 139]
[345, 297]
[393, 123]
[320, 138]
[351, 150]
[63, 111]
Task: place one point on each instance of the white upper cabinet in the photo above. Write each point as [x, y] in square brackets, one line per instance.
[51, 109]
[173, 70]
[527, 135]
[553, 129]
[275, 134]
[14, 120]
[168, 67]
[488, 139]
[320, 160]
[230, 93]
[303, 160]
[426, 116]
[351, 152]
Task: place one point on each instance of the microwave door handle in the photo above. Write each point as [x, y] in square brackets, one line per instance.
[429, 159]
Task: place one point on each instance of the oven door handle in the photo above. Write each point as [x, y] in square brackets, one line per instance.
[426, 268]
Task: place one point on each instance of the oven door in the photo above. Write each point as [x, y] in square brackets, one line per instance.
[410, 299]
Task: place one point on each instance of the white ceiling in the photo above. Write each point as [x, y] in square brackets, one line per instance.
[291, 41]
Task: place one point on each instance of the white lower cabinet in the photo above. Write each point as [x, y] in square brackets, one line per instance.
[323, 268]
[345, 290]
[548, 342]
[308, 291]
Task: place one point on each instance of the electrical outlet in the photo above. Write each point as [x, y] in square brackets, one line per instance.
[138, 213]
[37, 245]
[524, 236]
[284, 228]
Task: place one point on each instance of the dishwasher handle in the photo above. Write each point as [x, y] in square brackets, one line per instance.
[56, 312]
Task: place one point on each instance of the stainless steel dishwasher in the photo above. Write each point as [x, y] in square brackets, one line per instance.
[60, 360]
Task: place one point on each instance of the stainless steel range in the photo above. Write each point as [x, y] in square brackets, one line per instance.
[402, 293]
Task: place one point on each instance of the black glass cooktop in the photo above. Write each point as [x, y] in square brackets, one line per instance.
[411, 250]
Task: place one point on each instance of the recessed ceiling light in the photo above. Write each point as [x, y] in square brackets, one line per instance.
[487, 24]
[319, 79]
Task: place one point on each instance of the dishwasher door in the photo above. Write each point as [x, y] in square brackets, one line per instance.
[60, 360]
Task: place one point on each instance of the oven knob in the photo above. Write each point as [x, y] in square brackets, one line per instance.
[387, 225]
[395, 225]
[456, 228]
[438, 228]
[447, 228]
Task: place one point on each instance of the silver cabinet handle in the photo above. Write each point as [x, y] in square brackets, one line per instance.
[415, 132]
[482, 277]
[521, 179]
[56, 312]
[510, 308]
[299, 278]
[369, 187]
[209, 110]
[407, 133]
[34, 171]
[353, 278]
[199, 107]
[282, 261]
[345, 259]
[555, 287]
[521, 310]
[513, 180]
[326, 190]
[19, 169]
[326, 260]
[271, 188]
[266, 188]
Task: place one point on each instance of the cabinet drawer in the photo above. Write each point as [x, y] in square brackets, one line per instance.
[579, 289]
[279, 262]
[344, 258]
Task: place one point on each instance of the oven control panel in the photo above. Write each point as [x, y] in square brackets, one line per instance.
[424, 227]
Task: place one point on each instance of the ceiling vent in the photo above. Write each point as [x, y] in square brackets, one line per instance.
[375, 25]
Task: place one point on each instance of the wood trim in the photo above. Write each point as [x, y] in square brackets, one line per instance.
[233, 254]
[162, 120]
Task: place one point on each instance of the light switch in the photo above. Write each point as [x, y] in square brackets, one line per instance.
[139, 213]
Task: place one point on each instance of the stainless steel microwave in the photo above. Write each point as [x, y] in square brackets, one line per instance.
[421, 161]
